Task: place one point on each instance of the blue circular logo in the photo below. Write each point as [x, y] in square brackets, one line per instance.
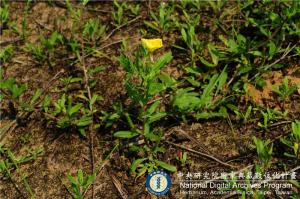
[158, 183]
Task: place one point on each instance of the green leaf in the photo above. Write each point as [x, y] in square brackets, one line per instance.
[7, 84]
[82, 132]
[142, 171]
[125, 62]
[161, 62]
[125, 134]
[93, 100]
[207, 115]
[272, 49]
[84, 121]
[72, 179]
[80, 176]
[152, 108]
[18, 90]
[166, 166]
[167, 80]
[74, 109]
[37, 94]
[206, 63]
[155, 88]
[192, 81]
[156, 117]
[185, 100]
[213, 53]
[183, 34]
[151, 25]
[135, 164]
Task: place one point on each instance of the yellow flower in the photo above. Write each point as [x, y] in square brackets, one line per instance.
[152, 44]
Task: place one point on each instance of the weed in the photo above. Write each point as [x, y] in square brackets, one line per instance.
[285, 90]
[293, 141]
[4, 15]
[187, 101]
[68, 115]
[264, 151]
[162, 20]
[142, 85]
[46, 49]
[80, 183]
[270, 116]
[243, 116]
[14, 89]
[93, 30]
[12, 162]
[6, 53]
[182, 159]
[118, 13]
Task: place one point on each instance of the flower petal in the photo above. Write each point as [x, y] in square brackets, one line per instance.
[152, 44]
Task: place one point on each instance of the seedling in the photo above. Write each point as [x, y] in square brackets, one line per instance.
[46, 49]
[75, 13]
[68, 115]
[284, 90]
[243, 116]
[193, 5]
[134, 9]
[11, 162]
[182, 158]
[109, 118]
[80, 183]
[270, 116]
[118, 13]
[293, 141]
[201, 105]
[264, 151]
[4, 15]
[14, 89]
[93, 31]
[191, 40]
[6, 53]
[162, 20]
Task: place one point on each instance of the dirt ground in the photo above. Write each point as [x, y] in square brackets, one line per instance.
[64, 152]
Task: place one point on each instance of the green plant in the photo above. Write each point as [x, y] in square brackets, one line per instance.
[75, 13]
[67, 114]
[24, 20]
[46, 49]
[141, 82]
[80, 183]
[14, 89]
[11, 162]
[293, 141]
[217, 5]
[182, 159]
[4, 14]
[6, 53]
[186, 100]
[133, 8]
[190, 38]
[285, 90]
[162, 20]
[244, 116]
[264, 151]
[93, 30]
[271, 115]
[85, 2]
[193, 5]
[118, 13]
[109, 118]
